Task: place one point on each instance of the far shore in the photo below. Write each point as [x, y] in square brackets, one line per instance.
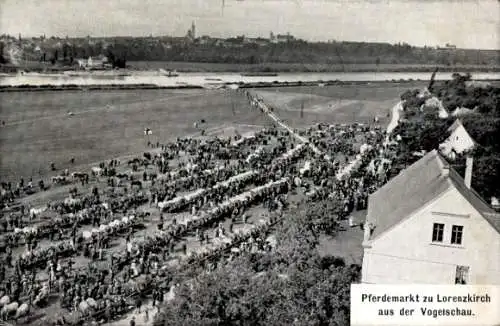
[99, 87]
[304, 67]
[207, 67]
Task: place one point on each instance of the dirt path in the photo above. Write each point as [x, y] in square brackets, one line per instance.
[118, 243]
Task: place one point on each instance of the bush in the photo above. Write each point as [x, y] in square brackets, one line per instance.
[425, 131]
[289, 285]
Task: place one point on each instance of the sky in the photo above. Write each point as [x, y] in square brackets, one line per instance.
[464, 23]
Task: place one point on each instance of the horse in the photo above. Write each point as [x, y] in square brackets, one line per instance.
[59, 179]
[8, 310]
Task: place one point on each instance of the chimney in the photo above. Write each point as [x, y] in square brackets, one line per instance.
[468, 172]
[366, 235]
[445, 171]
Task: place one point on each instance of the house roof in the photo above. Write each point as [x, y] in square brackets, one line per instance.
[455, 125]
[459, 111]
[494, 219]
[416, 186]
[475, 200]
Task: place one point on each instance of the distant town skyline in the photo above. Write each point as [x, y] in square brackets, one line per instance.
[417, 23]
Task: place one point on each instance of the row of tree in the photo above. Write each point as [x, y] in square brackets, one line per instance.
[3, 58]
[424, 130]
[239, 51]
[292, 285]
[115, 58]
[67, 53]
[302, 52]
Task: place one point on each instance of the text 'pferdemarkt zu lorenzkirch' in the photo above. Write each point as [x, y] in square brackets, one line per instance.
[426, 310]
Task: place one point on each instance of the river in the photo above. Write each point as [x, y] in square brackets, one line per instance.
[202, 79]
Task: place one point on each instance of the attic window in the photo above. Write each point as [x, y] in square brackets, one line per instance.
[437, 232]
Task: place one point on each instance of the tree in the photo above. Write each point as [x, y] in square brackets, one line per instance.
[324, 216]
[432, 80]
[3, 59]
[65, 51]
[116, 58]
[426, 131]
[291, 285]
[55, 57]
[486, 175]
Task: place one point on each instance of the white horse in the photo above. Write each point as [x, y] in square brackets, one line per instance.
[37, 211]
[9, 309]
[71, 201]
[97, 170]
[5, 300]
[22, 310]
[91, 302]
[85, 308]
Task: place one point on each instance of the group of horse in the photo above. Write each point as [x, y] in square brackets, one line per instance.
[186, 186]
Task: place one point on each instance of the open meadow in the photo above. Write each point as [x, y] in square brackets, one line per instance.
[335, 104]
[164, 214]
[45, 127]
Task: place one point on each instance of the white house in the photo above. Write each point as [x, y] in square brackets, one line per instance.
[96, 62]
[495, 203]
[458, 142]
[434, 102]
[462, 111]
[427, 226]
[281, 38]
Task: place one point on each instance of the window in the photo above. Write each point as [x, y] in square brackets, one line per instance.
[437, 232]
[461, 275]
[456, 234]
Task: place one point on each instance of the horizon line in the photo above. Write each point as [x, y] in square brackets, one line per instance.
[260, 36]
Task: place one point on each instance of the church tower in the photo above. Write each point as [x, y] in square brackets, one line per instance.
[193, 31]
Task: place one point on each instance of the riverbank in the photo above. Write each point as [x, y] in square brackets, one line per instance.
[98, 87]
[184, 67]
[86, 88]
[207, 67]
[153, 80]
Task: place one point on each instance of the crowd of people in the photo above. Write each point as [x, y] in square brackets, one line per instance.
[188, 186]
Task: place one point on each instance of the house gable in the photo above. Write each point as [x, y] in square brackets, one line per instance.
[408, 254]
[458, 141]
[406, 193]
[457, 123]
[415, 187]
[448, 208]
[461, 134]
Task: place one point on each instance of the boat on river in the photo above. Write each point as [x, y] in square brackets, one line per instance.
[169, 73]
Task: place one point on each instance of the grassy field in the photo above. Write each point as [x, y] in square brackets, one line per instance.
[347, 243]
[110, 124]
[39, 129]
[335, 104]
[107, 124]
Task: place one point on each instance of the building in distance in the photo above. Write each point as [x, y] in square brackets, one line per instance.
[458, 142]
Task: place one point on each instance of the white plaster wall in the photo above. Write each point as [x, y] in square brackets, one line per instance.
[460, 140]
[406, 254]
